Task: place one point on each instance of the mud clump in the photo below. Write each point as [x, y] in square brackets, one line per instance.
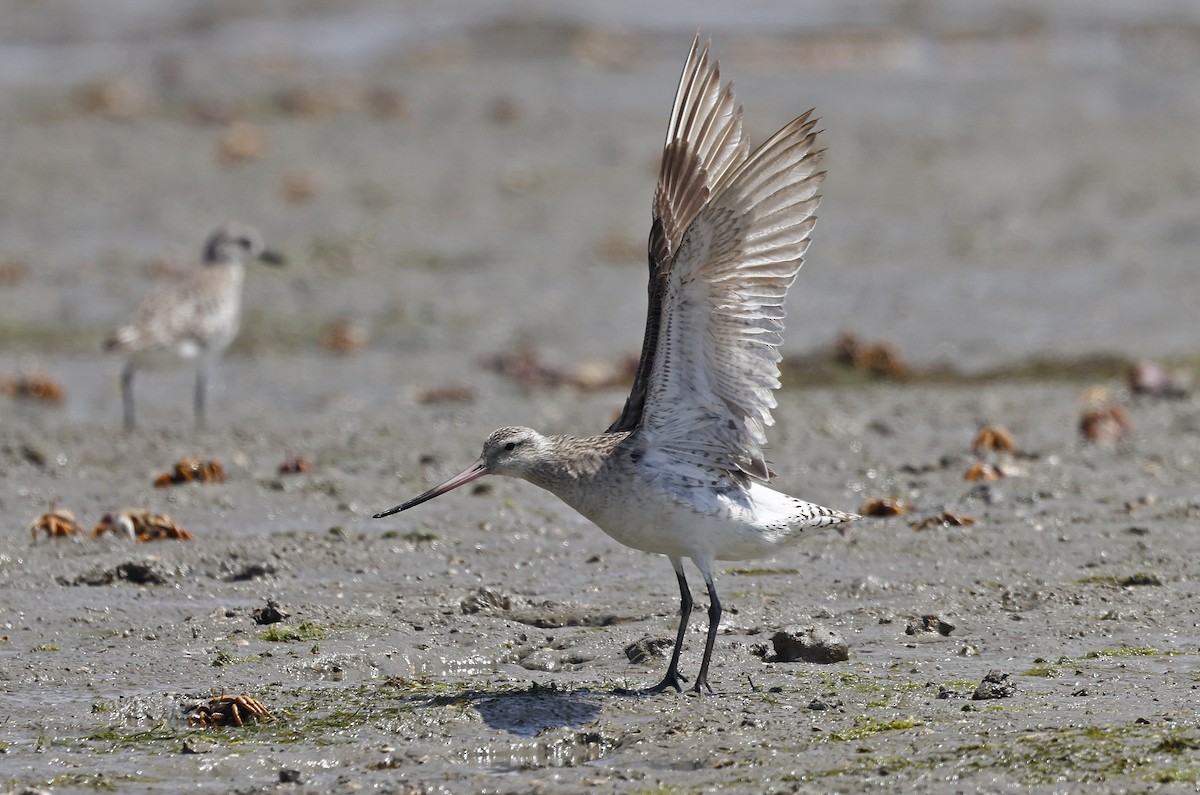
[814, 644]
[137, 572]
[271, 613]
[484, 600]
[929, 624]
[995, 685]
[647, 649]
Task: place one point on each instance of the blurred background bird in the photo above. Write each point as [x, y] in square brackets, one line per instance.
[192, 318]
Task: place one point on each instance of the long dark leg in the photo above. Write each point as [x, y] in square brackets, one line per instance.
[198, 395]
[714, 621]
[127, 395]
[673, 679]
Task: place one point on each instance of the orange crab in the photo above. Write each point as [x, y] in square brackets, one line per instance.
[118, 524]
[228, 710]
[876, 358]
[944, 519]
[33, 387]
[994, 437]
[189, 469]
[1104, 425]
[983, 471]
[295, 465]
[885, 506]
[57, 523]
[158, 527]
[139, 524]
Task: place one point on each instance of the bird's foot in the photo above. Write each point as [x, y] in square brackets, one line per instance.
[701, 686]
[673, 679]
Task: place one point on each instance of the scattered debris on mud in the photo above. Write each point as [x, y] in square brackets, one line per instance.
[995, 685]
[814, 644]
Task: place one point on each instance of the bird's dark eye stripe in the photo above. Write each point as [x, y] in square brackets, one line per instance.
[510, 446]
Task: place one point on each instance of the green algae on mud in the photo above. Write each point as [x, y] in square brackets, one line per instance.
[1043, 668]
[864, 727]
[1130, 651]
[300, 714]
[1044, 757]
[96, 781]
[1096, 753]
[302, 632]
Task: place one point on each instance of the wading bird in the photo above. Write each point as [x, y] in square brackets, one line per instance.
[681, 472]
[193, 318]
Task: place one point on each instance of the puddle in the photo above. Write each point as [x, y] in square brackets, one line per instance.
[553, 748]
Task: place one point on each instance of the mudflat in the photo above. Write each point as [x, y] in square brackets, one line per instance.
[475, 644]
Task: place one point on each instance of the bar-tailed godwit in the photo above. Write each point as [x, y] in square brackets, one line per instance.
[192, 318]
[681, 472]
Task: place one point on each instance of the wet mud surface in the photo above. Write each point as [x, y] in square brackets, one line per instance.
[476, 644]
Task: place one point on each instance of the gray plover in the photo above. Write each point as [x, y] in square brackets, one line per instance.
[680, 472]
[192, 318]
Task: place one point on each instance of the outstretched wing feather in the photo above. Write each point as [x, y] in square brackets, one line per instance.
[704, 144]
[710, 392]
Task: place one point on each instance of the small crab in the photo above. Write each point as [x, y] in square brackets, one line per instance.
[1104, 425]
[228, 711]
[994, 437]
[33, 387]
[57, 523]
[885, 506]
[189, 469]
[295, 465]
[345, 338]
[983, 471]
[118, 524]
[156, 527]
[139, 524]
[876, 358]
[943, 519]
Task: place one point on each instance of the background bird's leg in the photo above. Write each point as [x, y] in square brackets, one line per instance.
[198, 395]
[714, 620]
[127, 394]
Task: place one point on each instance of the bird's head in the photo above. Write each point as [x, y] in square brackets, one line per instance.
[515, 452]
[235, 242]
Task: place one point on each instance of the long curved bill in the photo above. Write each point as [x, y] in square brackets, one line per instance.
[476, 470]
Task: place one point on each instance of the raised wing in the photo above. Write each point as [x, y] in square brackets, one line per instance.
[704, 144]
[716, 363]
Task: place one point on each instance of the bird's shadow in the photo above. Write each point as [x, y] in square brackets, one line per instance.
[528, 712]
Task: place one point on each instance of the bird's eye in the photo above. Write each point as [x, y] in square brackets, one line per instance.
[510, 446]
[244, 242]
